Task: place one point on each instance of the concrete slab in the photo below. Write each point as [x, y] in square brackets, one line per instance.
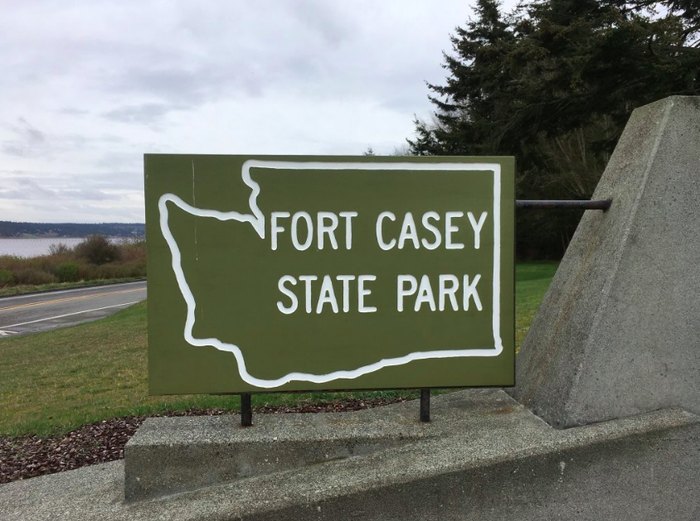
[618, 332]
[168, 455]
[501, 461]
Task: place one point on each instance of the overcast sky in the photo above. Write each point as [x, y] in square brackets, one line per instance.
[88, 87]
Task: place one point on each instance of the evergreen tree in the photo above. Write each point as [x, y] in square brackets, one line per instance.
[553, 84]
[475, 87]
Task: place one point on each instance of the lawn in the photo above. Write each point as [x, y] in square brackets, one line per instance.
[56, 381]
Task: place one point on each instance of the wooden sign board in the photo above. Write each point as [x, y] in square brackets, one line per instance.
[308, 273]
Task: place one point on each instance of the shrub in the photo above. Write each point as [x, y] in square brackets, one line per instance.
[96, 249]
[60, 249]
[94, 258]
[6, 278]
[34, 276]
[67, 272]
[133, 251]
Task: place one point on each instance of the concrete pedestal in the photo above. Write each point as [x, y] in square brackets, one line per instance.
[169, 455]
[483, 457]
[618, 332]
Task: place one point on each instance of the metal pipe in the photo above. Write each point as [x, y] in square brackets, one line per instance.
[425, 405]
[246, 410]
[602, 204]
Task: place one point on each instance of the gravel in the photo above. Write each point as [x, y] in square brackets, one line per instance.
[30, 456]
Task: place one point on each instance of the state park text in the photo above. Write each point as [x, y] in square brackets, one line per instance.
[344, 293]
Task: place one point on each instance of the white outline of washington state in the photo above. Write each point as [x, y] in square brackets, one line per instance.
[257, 221]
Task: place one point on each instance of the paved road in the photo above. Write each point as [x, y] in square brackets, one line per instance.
[43, 311]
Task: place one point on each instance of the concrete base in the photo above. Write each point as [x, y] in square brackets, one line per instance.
[169, 455]
[484, 456]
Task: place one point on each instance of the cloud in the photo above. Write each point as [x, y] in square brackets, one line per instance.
[27, 139]
[72, 111]
[323, 19]
[142, 113]
[37, 189]
[174, 85]
[87, 89]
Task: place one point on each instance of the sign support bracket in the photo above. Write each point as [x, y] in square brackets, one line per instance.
[585, 204]
[246, 410]
[425, 405]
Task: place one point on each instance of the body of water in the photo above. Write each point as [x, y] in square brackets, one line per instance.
[36, 247]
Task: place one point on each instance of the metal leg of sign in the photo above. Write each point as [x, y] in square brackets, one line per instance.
[425, 405]
[246, 410]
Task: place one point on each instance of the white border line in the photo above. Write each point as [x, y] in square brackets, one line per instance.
[257, 221]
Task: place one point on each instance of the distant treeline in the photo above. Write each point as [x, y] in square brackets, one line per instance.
[13, 229]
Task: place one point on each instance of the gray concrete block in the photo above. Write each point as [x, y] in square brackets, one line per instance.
[648, 476]
[170, 455]
[494, 460]
[618, 332]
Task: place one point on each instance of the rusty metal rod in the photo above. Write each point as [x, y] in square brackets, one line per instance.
[246, 410]
[425, 405]
[585, 204]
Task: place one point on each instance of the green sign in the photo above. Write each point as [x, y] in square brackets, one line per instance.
[269, 273]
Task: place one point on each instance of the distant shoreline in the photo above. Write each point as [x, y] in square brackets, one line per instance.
[27, 230]
[25, 247]
[48, 236]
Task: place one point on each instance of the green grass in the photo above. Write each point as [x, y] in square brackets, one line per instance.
[56, 381]
[531, 283]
